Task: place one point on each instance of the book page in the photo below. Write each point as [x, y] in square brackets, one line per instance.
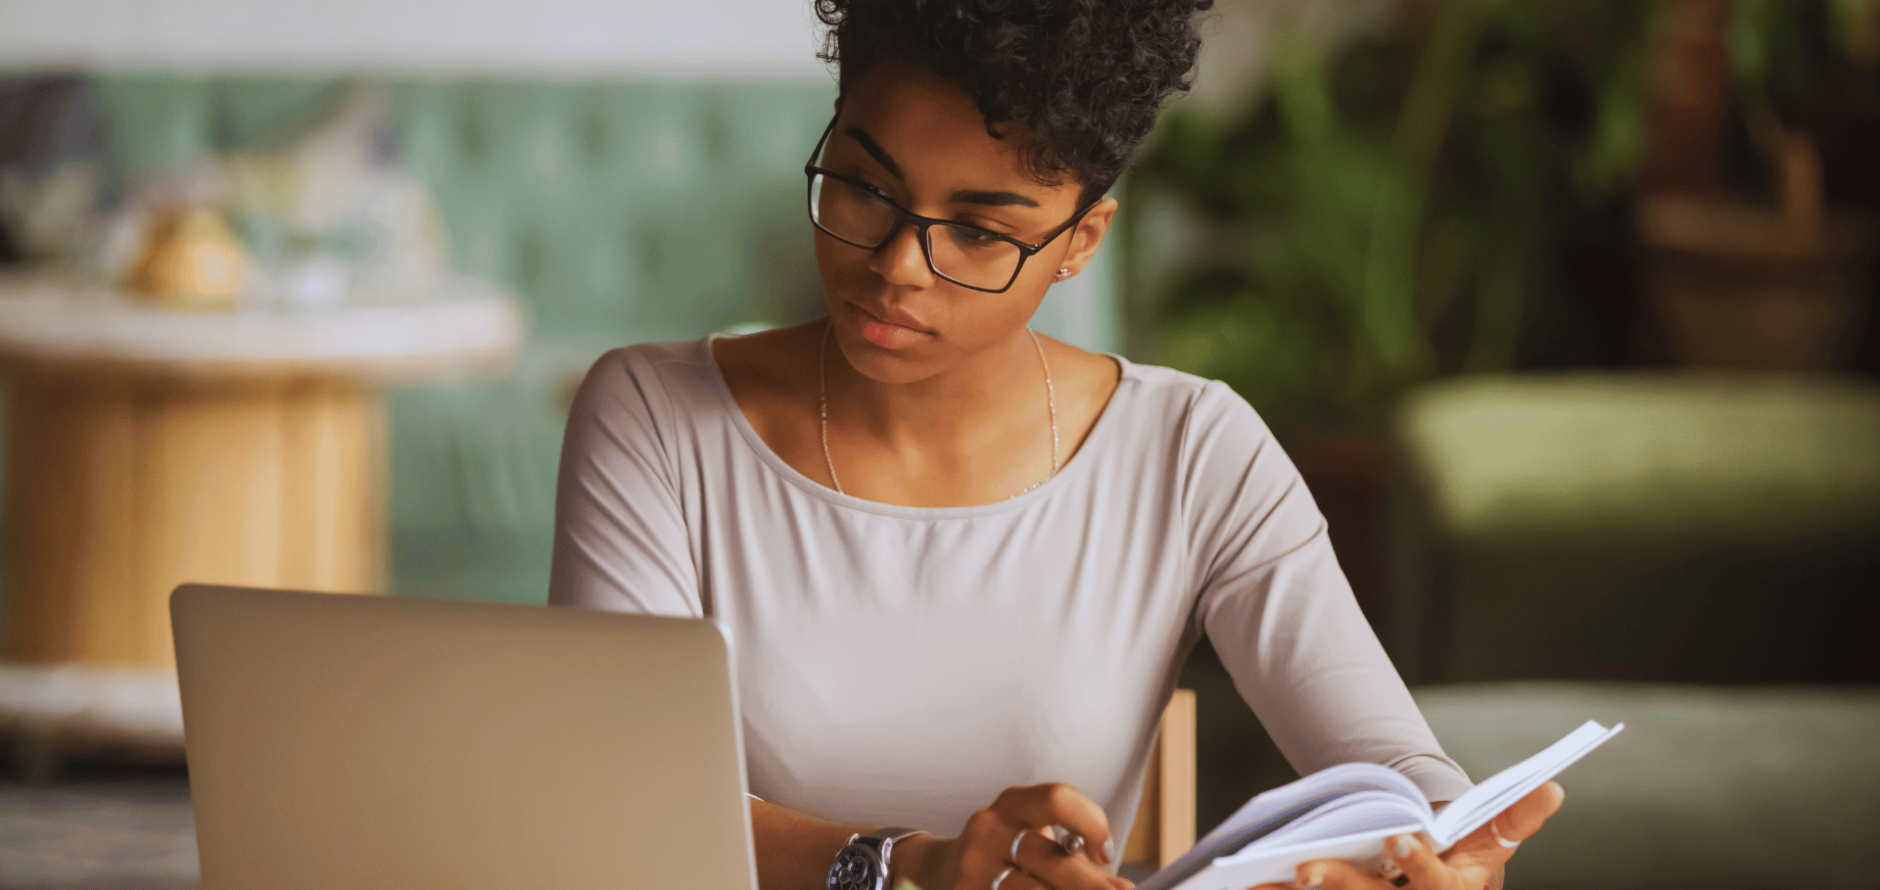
[1359, 813]
[1346, 778]
[1485, 801]
[1280, 864]
[1279, 807]
[1347, 812]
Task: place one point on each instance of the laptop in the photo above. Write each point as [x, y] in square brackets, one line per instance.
[346, 742]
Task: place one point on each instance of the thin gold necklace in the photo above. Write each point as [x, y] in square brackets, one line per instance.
[822, 402]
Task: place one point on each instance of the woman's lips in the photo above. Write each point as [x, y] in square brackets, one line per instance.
[892, 336]
[885, 333]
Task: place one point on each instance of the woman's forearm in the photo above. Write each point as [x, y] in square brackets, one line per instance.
[794, 849]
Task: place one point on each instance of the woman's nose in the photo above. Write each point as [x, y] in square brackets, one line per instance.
[901, 261]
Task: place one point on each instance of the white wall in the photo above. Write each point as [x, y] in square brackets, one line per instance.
[723, 38]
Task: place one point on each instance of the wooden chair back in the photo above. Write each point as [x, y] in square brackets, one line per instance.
[1165, 819]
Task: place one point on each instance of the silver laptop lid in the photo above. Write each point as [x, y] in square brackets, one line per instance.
[356, 742]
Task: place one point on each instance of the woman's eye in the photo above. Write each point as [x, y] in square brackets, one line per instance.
[864, 192]
[973, 237]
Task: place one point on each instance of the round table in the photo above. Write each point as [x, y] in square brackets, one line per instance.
[149, 446]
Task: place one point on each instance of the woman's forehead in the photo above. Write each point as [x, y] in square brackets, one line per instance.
[930, 128]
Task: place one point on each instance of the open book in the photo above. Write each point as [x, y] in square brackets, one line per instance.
[1347, 812]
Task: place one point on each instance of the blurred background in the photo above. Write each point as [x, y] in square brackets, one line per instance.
[1564, 308]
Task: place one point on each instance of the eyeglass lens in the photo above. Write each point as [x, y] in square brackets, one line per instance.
[864, 219]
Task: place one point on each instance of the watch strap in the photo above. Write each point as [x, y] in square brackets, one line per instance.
[884, 840]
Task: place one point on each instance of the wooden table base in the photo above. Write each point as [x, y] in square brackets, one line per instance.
[121, 486]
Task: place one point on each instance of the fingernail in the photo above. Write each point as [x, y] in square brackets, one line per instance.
[1315, 878]
[1109, 850]
[1402, 845]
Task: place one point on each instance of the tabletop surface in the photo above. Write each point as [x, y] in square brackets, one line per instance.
[372, 336]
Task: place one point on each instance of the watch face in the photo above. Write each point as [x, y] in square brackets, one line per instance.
[857, 868]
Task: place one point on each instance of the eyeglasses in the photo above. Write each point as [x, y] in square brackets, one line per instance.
[856, 213]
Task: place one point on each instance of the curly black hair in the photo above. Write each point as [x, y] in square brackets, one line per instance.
[1084, 78]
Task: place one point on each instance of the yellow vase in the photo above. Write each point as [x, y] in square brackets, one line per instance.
[192, 261]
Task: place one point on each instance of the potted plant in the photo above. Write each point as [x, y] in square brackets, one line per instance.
[1745, 264]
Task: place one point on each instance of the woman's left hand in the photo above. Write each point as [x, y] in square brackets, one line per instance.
[1475, 863]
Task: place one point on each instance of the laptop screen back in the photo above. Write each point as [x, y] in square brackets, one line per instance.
[373, 742]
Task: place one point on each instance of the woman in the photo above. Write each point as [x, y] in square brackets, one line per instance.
[963, 563]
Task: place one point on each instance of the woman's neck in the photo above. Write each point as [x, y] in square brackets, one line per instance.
[972, 405]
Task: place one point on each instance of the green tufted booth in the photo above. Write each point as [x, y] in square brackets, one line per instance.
[621, 211]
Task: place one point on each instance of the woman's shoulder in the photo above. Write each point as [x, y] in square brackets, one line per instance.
[643, 360]
[700, 382]
[775, 364]
[650, 380]
[1164, 381]
[1185, 400]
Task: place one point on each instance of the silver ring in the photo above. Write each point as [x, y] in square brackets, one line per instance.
[1496, 833]
[1071, 841]
[1002, 875]
[1013, 856]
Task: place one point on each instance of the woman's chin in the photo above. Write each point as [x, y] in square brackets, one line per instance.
[891, 367]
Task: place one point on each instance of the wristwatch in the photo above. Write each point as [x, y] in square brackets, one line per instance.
[863, 864]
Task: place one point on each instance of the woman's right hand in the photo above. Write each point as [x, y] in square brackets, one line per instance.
[983, 851]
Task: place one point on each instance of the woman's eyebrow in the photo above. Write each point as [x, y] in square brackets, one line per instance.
[992, 199]
[874, 149]
[963, 196]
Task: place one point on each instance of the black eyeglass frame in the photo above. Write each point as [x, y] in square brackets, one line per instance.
[904, 217]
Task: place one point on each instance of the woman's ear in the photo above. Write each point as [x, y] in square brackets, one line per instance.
[1088, 235]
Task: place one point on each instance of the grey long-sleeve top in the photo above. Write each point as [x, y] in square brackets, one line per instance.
[902, 665]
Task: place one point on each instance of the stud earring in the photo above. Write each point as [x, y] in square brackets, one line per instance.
[1063, 274]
